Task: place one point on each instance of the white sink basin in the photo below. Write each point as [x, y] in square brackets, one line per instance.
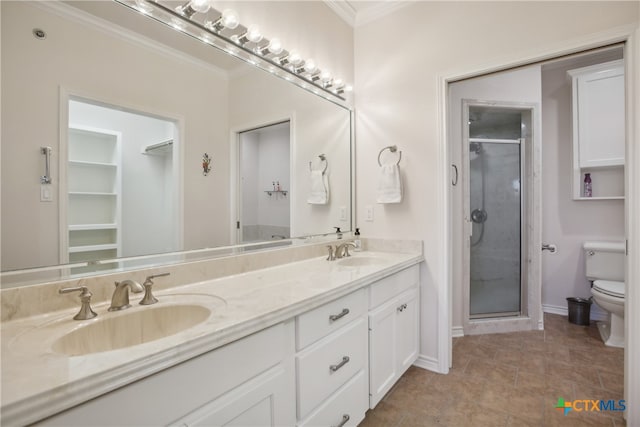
[363, 261]
[139, 326]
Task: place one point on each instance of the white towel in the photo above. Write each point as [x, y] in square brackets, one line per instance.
[390, 184]
[319, 194]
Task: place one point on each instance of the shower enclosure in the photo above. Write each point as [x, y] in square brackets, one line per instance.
[495, 210]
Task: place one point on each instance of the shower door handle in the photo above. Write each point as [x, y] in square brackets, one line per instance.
[454, 181]
[549, 247]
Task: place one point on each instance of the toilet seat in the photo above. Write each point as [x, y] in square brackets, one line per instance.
[610, 287]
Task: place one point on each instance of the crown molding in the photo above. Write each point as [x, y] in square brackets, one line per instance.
[345, 10]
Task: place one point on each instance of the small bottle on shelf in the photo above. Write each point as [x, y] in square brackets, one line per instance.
[587, 186]
[357, 241]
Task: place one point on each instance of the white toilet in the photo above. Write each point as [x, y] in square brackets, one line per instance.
[605, 268]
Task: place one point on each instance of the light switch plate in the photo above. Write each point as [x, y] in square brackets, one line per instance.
[368, 213]
[46, 195]
[343, 213]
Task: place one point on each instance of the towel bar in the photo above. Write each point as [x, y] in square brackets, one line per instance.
[322, 157]
[393, 149]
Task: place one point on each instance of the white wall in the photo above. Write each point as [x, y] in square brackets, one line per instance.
[274, 166]
[565, 222]
[397, 100]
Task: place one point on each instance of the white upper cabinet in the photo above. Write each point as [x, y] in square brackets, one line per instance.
[599, 128]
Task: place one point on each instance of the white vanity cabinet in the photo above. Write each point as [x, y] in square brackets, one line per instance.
[331, 363]
[598, 113]
[393, 330]
[248, 382]
[325, 367]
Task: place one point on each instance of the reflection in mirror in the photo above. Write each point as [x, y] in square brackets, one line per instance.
[102, 59]
[264, 183]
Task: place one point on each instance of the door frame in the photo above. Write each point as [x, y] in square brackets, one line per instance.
[235, 206]
[531, 213]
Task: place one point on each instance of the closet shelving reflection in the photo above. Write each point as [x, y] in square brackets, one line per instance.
[93, 194]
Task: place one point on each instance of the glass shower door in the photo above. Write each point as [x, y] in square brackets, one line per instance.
[495, 207]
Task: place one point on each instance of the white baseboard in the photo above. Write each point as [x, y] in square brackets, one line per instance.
[428, 363]
[457, 332]
[596, 313]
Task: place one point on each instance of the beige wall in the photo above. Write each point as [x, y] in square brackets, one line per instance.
[399, 60]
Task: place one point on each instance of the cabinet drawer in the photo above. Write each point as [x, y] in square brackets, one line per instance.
[323, 367]
[387, 288]
[351, 400]
[318, 323]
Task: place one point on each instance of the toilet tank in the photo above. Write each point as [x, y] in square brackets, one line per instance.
[604, 260]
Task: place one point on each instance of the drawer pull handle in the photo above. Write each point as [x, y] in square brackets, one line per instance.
[403, 307]
[343, 313]
[334, 368]
[345, 418]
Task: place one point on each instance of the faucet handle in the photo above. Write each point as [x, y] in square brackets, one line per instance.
[85, 299]
[148, 298]
[332, 253]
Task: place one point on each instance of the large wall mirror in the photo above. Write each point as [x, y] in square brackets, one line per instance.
[154, 143]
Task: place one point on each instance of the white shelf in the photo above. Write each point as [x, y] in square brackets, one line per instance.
[90, 193]
[600, 198]
[92, 248]
[88, 227]
[92, 164]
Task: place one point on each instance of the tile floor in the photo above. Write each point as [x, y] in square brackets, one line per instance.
[512, 379]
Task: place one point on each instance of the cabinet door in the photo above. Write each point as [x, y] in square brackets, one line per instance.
[264, 401]
[382, 352]
[601, 127]
[407, 326]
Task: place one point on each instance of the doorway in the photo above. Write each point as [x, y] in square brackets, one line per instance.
[122, 189]
[264, 183]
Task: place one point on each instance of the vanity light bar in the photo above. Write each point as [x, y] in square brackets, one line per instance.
[246, 43]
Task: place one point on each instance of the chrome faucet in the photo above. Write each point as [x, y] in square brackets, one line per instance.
[85, 298]
[342, 250]
[120, 298]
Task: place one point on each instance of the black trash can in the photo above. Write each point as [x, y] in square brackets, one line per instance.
[579, 310]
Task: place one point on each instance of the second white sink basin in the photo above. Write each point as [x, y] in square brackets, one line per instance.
[130, 328]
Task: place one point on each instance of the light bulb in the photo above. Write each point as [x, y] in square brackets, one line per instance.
[253, 34]
[310, 66]
[229, 19]
[200, 6]
[337, 82]
[294, 57]
[348, 88]
[325, 76]
[275, 46]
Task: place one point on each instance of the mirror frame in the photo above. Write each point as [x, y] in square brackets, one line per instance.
[61, 272]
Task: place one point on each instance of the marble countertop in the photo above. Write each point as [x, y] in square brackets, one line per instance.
[38, 382]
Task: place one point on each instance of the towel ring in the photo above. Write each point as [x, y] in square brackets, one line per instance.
[393, 149]
[322, 157]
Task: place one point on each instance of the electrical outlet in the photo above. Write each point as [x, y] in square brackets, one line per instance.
[343, 213]
[368, 213]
